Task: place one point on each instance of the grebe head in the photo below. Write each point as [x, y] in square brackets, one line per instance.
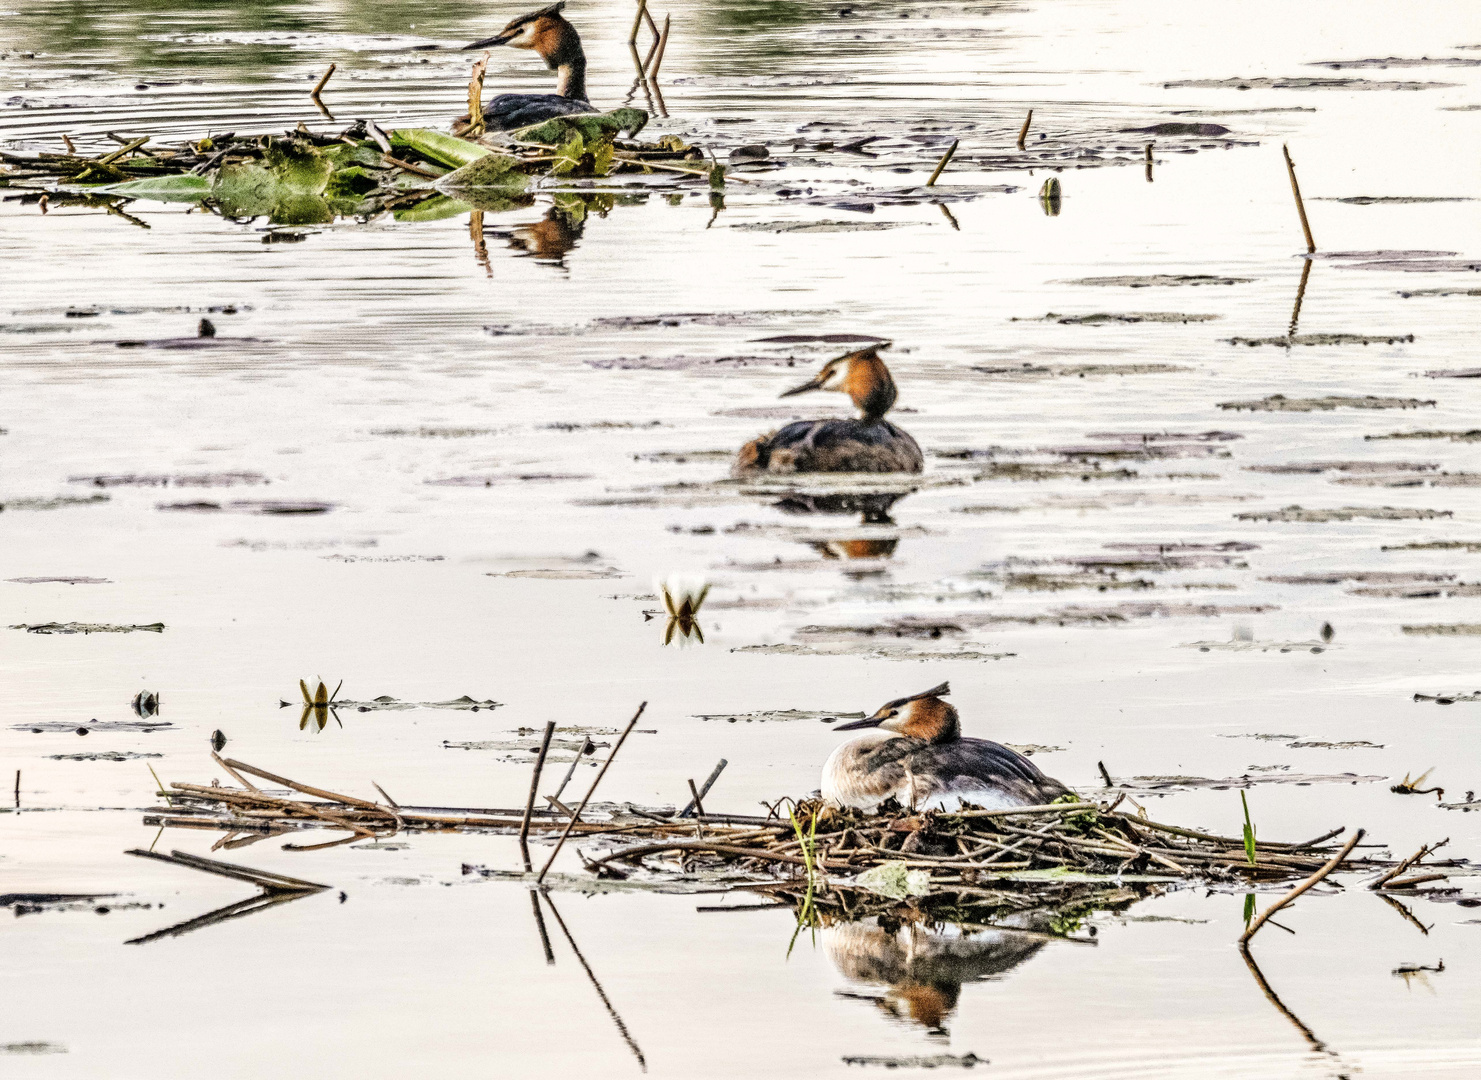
[920, 716]
[862, 376]
[546, 31]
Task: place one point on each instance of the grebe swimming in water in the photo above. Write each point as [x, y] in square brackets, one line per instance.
[869, 444]
[547, 32]
[920, 758]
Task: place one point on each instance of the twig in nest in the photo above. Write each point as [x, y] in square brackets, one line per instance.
[1332, 864]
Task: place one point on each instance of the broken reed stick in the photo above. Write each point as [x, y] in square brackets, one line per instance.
[632, 39]
[1411, 882]
[68, 144]
[263, 879]
[941, 165]
[704, 789]
[126, 148]
[305, 788]
[586, 748]
[409, 167]
[323, 80]
[1101, 765]
[476, 125]
[17, 789]
[591, 791]
[1331, 864]
[1300, 206]
[663, 42]
[1023, 131]
[1407, 863]
[524, 826]
[694, 802]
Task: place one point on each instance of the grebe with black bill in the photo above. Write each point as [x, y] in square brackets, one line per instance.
[870, 444]
[548, 33]
[919, 757]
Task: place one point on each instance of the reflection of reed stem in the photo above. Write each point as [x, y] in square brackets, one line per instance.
[612, 1012]
[1306, 1032]
[540, 925]
[1300, 296]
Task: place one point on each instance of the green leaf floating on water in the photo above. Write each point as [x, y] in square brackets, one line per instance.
[447, 149]
[590, 126]
[490, 171]
[568, 156]
[351, 182]
[433, 209]
[186, 187]
[298, 167]
[602, 157]
[894, 881]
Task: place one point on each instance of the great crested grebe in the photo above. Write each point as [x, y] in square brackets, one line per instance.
[869, 444]
[921, 759]
[549, 34]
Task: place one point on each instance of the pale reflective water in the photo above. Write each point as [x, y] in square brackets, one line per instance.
[582, 383]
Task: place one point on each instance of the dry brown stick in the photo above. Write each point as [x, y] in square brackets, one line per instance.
[476, 125]
[705, 788]
[235, 775]
[524, 826]
[126, 148]
[694, 796]
[261, 878]
[1411, 882]
[1300, 206]
[1104, 775]
[305, 788]
[1023, 131]
[663, 43]
[409, 167]
[590, 791]
[719, 849]
[1331, 864]
[632, 39]
[1043, 808]
[1407, 863]
[323, 79]
[940, 165]
[620, 156]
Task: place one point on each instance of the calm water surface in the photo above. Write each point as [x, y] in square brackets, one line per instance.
[561, 397]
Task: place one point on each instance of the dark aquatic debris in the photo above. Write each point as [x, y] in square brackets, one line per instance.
[1344, 513]
[1395, 200]
[1454, 373]
[89, 628]
[1289, 340]
[221, 479]
[105, 755]
[54, 502]
[1444, 630]
[918, 1061]
[1312, 468]
[1473, 435]
[1103, 317]
[1400, 62]
[1178, 127]
[277, 507]
[1155, 785]
[1281, 403]
[1029, 371]
[60, 580]
[770, 715]
[1407, 293]
[1299, 83]
[1145, 281]
[146, 726]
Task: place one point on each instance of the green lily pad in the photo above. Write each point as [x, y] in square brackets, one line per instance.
[590, 126]
[433, 209]
[186, 187]
[351, 182]
[490, 171]
[446, 149]
[298, 167]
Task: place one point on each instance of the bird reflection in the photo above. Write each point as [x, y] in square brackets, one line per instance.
[921, 968]
[879, 548]
[549, 239]
[873, 507]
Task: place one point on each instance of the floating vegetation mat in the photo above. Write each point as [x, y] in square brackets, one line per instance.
[1071, 854]
[304, 177]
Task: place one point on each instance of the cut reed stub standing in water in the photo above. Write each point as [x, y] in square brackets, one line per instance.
[941, 165]
[1023, 131]
[323, 82]
[590, 792]
[1300, 205]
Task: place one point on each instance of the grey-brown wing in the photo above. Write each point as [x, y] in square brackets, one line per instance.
[966, 763]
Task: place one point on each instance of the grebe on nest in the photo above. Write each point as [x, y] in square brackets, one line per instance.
[870, 444]
[548, 33]
[920, 758]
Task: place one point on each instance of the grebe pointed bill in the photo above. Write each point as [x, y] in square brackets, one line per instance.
[869, 444]
[915, 753]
